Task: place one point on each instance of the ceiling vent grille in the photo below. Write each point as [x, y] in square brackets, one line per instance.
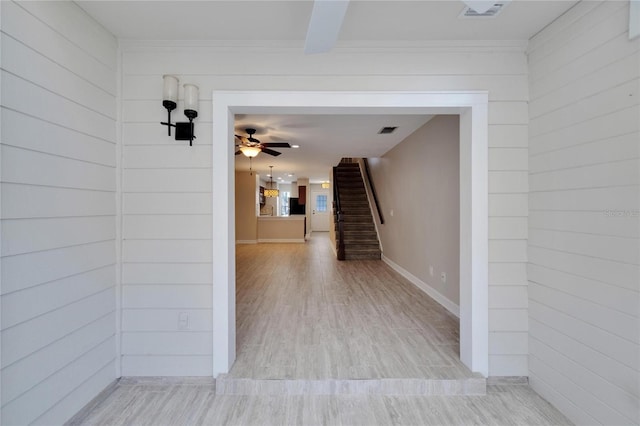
[492, 12]
[387, 130]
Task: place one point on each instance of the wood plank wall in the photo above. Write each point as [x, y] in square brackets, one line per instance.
[58, 211]
[584, 222]
[168, 185]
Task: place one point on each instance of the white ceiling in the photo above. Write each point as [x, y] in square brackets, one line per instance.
[392, 20]
[322, 139]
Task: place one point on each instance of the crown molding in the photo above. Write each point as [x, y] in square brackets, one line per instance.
[128, 45]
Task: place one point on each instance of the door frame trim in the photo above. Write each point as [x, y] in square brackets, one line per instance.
[312, 202]
[471, 106]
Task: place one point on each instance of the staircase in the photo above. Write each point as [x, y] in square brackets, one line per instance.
[360, 237]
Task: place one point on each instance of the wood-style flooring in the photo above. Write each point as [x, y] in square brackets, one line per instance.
[160, 402]
[301, 314]
[304, 318]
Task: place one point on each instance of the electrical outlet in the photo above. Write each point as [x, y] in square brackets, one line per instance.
[431, 270]
[391, 212]
[443, 277]
[183, 321]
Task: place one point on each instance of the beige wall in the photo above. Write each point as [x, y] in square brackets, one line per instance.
[419, 181]
[282, 229]
[246, 206]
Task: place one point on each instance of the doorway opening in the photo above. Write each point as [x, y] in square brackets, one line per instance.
[472, 109]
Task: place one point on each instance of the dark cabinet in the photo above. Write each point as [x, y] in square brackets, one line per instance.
[302, 195]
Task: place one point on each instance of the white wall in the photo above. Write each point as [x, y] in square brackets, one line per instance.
[170, 183]
[58, 211]
[584, 223]
[419, 179]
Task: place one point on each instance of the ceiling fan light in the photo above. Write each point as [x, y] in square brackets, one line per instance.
[250, 151]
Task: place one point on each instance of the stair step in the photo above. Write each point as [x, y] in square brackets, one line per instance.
[355, 227]
[351, 185]
[226, 385]
[357, 219]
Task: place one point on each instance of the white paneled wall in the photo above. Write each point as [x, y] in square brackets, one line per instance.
[58, 211]
[168, 185]
[584, 224]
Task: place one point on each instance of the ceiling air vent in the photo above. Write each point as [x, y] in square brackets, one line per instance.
[492, 12]
[387, 130]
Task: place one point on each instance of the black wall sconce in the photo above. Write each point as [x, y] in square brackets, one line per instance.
[184, 131]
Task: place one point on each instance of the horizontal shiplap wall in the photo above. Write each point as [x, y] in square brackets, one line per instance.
[58, 211]
[584, 224]
[168, 185]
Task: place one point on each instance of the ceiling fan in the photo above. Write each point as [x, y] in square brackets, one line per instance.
[250, 146]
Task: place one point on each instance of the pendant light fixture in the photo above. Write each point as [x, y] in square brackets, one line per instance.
[271, 191]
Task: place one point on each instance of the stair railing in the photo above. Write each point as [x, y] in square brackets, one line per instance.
[339, 214]
[373, 190]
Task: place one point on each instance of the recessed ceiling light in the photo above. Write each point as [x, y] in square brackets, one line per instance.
[268, 175]
[290, 175]
[295, 146]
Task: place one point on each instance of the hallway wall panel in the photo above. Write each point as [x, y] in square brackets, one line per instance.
[584, 225]
[159, 168]
[58, 215]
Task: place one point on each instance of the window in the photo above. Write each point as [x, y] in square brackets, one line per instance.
[321, 203]
[284, 203]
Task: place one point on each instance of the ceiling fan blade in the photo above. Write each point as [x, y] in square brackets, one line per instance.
[480, 6]
[277, 145]
[324, 25]
[238, 152]
[271, 152]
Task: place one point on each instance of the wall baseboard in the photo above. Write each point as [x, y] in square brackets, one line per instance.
[430, 291]
[91, 405]
[282, 240]
[507, 380]
[246, 241]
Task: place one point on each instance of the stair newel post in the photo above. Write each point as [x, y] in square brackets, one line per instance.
[340, 217]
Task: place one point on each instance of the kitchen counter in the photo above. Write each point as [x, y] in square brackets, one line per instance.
[281, 229]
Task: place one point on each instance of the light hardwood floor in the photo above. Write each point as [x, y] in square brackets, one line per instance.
[304, 316]
[301, 314]
[158, 402]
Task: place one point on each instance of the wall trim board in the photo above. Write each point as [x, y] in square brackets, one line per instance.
[634, 19]
[378, 46]
[430, 291]
[472, 106]
[246, 241]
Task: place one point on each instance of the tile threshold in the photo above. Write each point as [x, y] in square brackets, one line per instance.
[226, 385]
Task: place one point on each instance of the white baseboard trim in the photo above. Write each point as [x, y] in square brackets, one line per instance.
[281, 240]
[246, 241]
[91, 405]
[432, 292]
